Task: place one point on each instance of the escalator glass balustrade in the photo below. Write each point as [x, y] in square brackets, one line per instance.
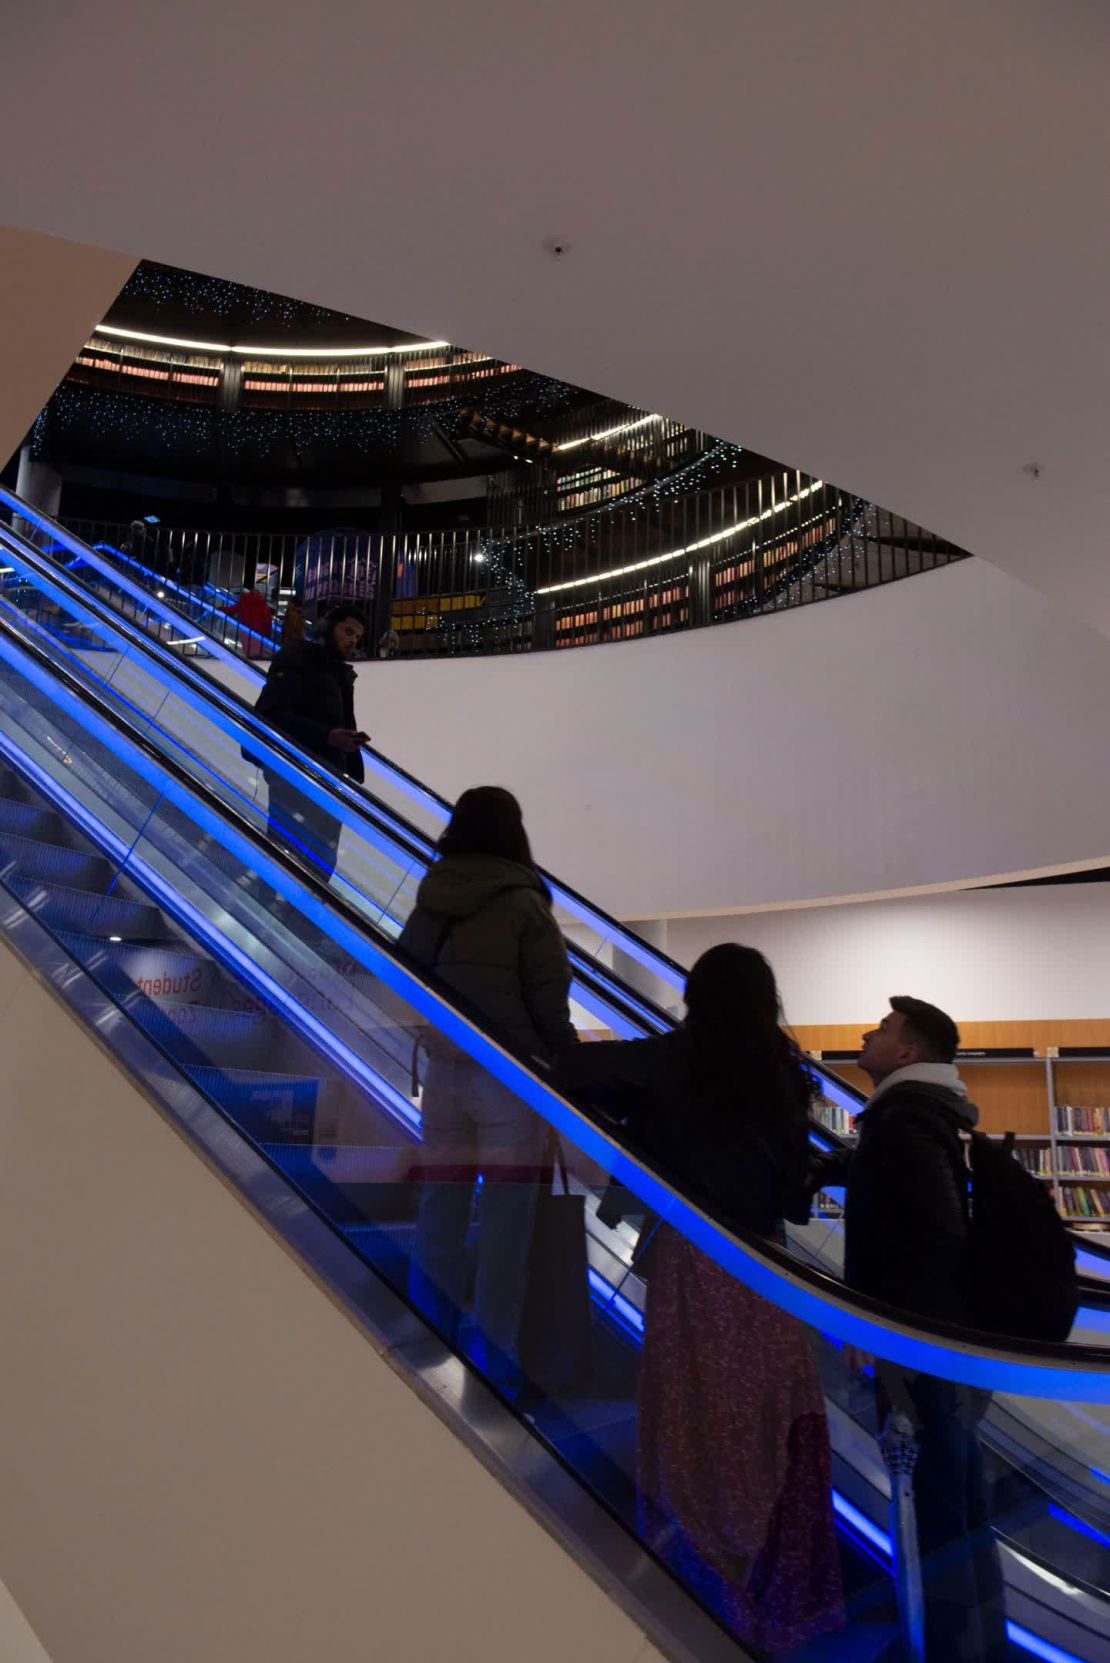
[288, 1009]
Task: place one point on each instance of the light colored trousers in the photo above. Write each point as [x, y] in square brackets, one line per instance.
[472, 1125]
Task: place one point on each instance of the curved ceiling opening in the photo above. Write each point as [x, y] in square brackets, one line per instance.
[474, 505]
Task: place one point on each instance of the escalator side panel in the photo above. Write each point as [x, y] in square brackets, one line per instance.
[184, 1415]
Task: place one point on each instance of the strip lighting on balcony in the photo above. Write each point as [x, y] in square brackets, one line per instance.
[690, 548]
[609, 433]
[218, 348]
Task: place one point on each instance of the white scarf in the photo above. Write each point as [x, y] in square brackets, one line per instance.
[944, 1074]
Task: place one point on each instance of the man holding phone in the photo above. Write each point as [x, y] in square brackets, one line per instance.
[309, 696]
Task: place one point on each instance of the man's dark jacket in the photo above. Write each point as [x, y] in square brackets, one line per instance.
[905, 1207]
[309, 691]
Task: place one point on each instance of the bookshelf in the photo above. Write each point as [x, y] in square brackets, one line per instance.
[1047, 1082]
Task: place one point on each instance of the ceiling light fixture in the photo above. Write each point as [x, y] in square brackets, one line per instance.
[221, 348]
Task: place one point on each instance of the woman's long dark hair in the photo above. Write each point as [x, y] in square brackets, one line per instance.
[487, 821]
[745, 1067]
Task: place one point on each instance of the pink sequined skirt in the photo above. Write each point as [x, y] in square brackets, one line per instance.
[733, 1465]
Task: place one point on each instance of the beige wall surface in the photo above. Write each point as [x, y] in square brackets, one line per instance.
[52, 295]
[18, 1644]
[200, 1457]
[944, 729]
[987, 955]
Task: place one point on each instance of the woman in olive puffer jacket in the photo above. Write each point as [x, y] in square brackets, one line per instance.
[483, 924]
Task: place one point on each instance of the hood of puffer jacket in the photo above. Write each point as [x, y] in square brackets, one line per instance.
[458, 886]
[936, 1081]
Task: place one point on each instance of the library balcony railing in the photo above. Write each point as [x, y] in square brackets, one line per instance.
[665, 563]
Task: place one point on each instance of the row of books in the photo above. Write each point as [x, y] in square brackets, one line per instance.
[1080, 1157]
[1079, 1201]
[834, 1117]
[1038, 1160]
[1082, 1121]
[1072, 1120]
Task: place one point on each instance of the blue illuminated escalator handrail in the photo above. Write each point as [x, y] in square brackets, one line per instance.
[1022, 1636]
[1074, 1373]
[651, 957]
[660, 965]
[619, 1007]
[275, 752]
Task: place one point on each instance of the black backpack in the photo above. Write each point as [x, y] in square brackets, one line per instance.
[1022, 1262]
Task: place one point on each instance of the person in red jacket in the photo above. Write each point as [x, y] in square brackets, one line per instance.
[253, 612]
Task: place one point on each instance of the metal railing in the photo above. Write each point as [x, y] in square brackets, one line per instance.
[589, 458]
[667, 562]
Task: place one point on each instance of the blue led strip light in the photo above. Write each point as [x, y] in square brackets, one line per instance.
[1091, 1264]
[1036, 1647]
[870, 1533]
[614, 1304]
[827, 1310]
[862, 1525]
[1073, 1522]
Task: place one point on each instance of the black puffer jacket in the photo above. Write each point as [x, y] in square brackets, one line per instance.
[906, 1215]
[485, 926]
[648, 1085]
[309, 691]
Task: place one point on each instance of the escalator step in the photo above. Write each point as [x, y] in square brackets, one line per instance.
[13, 789]
[300, 1107]
[346, 1163]
[251, 1085]
[73, 868]
[211, 1035]
[267, 1107]
[29, 820]
[82, 912]
[168, 976]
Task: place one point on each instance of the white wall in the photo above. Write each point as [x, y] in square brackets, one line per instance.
[943, 729]
[985, 955]
[201, 1457]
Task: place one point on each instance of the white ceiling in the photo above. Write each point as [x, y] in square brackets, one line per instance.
[869, 238]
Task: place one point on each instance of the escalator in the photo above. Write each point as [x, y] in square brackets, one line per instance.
[133, 838]
[110, 629]
[190, 621]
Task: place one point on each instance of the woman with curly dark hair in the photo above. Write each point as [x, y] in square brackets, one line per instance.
[733, 1469]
